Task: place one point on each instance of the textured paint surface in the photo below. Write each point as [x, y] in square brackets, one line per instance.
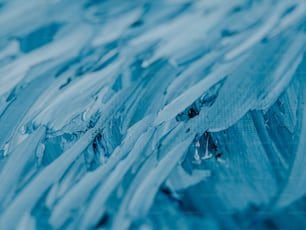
[162, 114]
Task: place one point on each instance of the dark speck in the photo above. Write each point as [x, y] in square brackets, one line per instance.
[137, 24]
[103, 221]
[192, 113]
[94, 145]
[218, 155]
[166, 191]
[96, 141]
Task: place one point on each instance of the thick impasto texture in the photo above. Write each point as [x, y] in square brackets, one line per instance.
[161, 114]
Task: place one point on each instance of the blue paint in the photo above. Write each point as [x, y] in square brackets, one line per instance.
[39, 37]
[171, 114]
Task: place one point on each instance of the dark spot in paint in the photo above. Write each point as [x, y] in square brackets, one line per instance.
[66, 83]
[227, 33]
[137, 24]
[11, 96]
[218, 155]
[103, 221]
[94, 145]
[96, 141]
[166, 191]
[289, 10]
[192, 113]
